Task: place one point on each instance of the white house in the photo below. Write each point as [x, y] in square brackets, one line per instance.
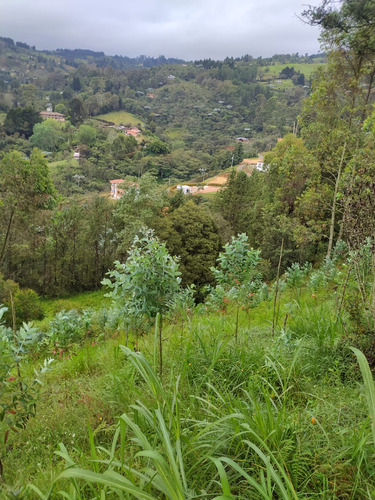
[116, 192]
[185, 189]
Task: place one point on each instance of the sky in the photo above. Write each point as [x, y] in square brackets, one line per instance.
[186, 29]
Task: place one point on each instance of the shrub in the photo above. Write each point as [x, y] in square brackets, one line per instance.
[69, 327]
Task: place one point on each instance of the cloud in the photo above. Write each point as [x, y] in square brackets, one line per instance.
[190, 29]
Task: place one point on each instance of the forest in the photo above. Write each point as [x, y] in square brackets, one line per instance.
[180, 346]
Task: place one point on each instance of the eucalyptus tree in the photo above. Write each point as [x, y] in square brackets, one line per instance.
[145, 285]
[342, 95]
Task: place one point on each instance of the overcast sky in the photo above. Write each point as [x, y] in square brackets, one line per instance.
[188, 29]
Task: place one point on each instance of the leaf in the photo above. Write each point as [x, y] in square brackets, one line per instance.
[369, 386]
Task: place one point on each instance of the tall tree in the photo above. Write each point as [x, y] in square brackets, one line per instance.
[191, 234]
[333, 118]
[25, 188]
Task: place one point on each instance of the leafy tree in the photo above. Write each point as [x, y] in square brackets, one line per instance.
[47, 136]
[86, 135]
[139, 206]
[26, 303]
[157, 147]
[190, 233]
[147, 283]
[21, 120]
[76, 111]
[234, 199]
[333, 118]
[76, 84]
[238, 154]
[122, 146]
[25, 187]
[236, 274]
[287, 72]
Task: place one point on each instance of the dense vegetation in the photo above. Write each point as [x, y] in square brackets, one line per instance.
[248, 387]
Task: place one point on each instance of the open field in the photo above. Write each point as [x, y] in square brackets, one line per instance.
[120, 117]
[306, 69]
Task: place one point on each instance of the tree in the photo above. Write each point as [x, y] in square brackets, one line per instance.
[237, 275]
[76, 84]
[147, 283]
[76, 111]
[233, 200]
[334, 116]
[47, 136]
[190, 233]
[21, 120]
[139, 206]
[25, 187]
[157, 147]
[86, 135]
[122, 146]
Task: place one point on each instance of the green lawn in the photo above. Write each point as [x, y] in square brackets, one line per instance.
[306, 69]
[118, 117]
[85, 300]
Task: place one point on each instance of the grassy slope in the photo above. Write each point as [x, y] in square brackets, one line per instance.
[94, 384]
[80, 301]
[306, 69]
[119, 117]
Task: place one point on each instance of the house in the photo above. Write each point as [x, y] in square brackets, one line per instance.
[134, 131]
[184, 189]
[116, 191]
[59, 117]
[76, 155]
[242, 139]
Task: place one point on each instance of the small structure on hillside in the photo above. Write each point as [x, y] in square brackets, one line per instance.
[116, 191]
[134, 131]
[59, 117]
[185, 189]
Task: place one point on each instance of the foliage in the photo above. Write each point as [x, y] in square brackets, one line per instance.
[237, 275]
[190, 233]
[48, 136]
[21, 120]
[69, 327]
[146, 283]
[140, 205]
[157, 147]
[18, 392]
[26, 302]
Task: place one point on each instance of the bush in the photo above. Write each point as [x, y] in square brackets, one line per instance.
[69, 327]
[26, 303]
[27, 306]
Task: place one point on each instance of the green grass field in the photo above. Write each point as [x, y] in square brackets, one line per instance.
[80, 301]
[274, 407]
[306, 69]
[121, 117]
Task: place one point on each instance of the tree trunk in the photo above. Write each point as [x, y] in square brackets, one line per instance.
[334, 203]
[2, 256]
[277, 286]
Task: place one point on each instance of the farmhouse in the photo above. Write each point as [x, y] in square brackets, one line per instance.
[116, 191]
[51, 114]
[59, 117]
[184, 189]
[134, 131]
